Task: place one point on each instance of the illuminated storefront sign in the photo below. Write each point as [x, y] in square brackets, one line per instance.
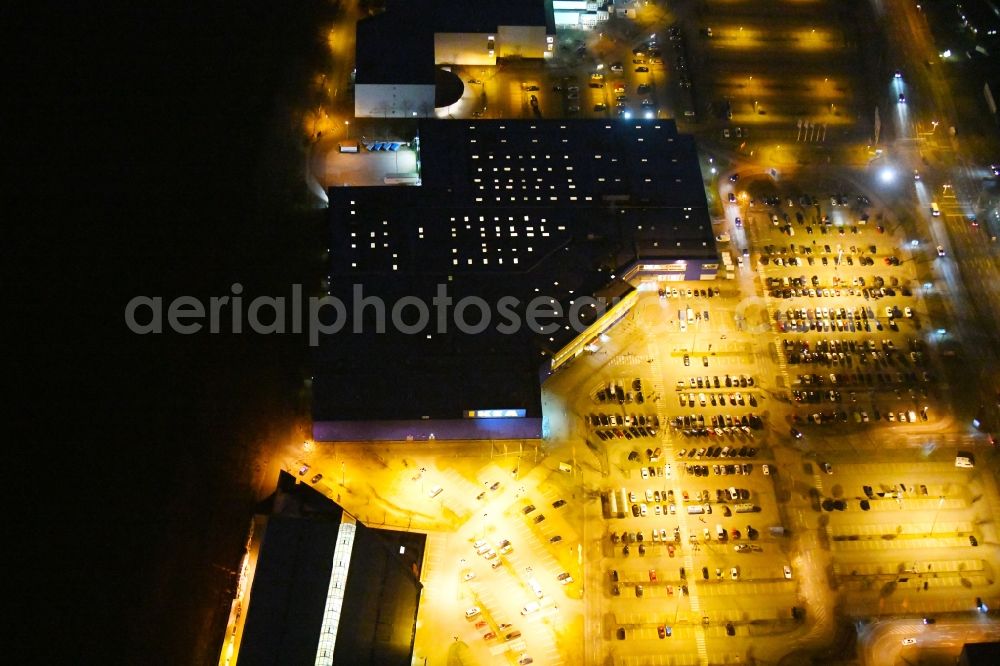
[495, 414]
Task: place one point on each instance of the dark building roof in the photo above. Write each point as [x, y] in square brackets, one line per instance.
[289, 591]
[292, 579]
[390, 51]
[980, 654]
[486, 16]
[515, 208]
[397, 46]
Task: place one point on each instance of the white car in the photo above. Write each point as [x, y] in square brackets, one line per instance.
[645, 473]
[649, 495]
[734, 573]
[788, 572]
[479, 544]
[469, 576]
[909, 641]
[472, 612]
[767, 469]
[643, 509]
[529, 608]
[908, 312]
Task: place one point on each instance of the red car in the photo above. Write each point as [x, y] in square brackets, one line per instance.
[481, 624]
[652, 575]
[490, 636]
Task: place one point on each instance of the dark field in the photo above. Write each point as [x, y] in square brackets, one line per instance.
[175, 167]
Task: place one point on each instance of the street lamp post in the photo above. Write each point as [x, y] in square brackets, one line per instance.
[936, 514]
[347, 129]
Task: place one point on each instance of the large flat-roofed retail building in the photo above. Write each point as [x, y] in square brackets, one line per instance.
[513, 215]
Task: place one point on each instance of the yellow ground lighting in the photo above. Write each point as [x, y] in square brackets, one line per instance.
[826, 88]
[813, 40]
[755, 87]
[739, 37]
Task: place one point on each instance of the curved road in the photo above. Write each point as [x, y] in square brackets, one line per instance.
[881, 644]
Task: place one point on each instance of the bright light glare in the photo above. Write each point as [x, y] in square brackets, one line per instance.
[887, 175]
[649, 114]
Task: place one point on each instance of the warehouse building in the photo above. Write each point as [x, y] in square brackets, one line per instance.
[319, 588]
[548, 213]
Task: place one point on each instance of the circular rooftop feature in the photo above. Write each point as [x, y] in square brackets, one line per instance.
[448, 88]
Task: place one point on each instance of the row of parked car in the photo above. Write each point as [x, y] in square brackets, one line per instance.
[858, 286]
[806, 250]
[861, 416]
[863, 260]
[837, 345]
[674, 292]
[695, 425]
[729, 381]
[737, 468]
[836, 292]
[861, 378]
[735, 399]
[615, 391]
[719, 451]
[626, 420]
[634, 432]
